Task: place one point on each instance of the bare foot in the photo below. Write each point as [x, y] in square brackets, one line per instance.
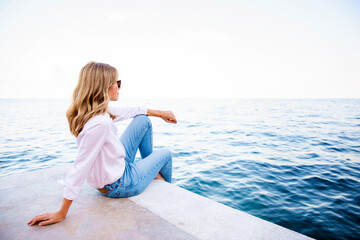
[158, 176]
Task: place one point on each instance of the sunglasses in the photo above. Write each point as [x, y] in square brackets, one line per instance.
[119, 83]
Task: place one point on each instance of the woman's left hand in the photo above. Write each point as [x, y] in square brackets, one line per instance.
[168, 116]
[47, 218]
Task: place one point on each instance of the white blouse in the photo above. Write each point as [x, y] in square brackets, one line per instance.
[101, 156]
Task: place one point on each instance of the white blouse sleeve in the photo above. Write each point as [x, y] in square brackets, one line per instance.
[124, 113]
[90, 145]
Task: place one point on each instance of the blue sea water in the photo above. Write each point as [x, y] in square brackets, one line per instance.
[293, 162]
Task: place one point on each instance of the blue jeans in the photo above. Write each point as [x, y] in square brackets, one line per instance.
[138, 175]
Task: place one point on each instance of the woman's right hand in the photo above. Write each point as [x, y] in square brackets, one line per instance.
[47, 218]
[168, 116]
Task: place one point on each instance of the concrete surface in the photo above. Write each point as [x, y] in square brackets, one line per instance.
[162, 211]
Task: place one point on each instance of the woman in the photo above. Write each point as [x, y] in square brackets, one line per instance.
[105, 162]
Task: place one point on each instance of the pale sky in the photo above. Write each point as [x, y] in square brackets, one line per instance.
[183, 49]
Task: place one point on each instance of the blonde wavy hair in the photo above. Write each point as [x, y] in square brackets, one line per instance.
[91, 95]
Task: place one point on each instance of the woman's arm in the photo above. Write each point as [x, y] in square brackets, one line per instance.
[123, 113]
[168, 116]
[90, 144]
[53, 217]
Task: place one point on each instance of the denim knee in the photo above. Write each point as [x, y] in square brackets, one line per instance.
[167, 153]
[145, 119]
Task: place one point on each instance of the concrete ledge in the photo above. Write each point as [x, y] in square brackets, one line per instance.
[162, 211]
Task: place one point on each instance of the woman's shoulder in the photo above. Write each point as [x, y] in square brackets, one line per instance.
[100, 120]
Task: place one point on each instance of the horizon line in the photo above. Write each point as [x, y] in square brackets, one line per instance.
[175, 98]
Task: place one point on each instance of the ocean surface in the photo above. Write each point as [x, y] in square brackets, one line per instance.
[293, 162]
